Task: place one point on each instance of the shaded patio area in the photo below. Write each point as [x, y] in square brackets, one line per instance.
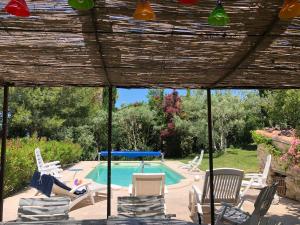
[60, 46]
[286, 210]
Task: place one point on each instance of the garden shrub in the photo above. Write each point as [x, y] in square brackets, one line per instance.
[20, 159]
[267, 142]
[297, 131]
[260, 139]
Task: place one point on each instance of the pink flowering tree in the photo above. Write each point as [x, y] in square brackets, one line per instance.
[171, 108]
[292, 156]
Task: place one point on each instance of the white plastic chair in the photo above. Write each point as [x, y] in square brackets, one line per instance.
[195, 166]
[259, 180]
[51, 168]
[190, 163]
[227, 184]
[195, 163]
[145, 184]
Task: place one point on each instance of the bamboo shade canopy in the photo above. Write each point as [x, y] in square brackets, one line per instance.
[60, 46]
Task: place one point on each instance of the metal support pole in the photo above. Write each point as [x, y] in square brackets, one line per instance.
[109, 147]
[3, 148]
[211, 166]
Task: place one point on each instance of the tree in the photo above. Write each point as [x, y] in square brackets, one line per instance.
[171, 108]
[135, 127]
[191, 126]
[230, 114]
[55, 113]
[105, 97]
[282, 108]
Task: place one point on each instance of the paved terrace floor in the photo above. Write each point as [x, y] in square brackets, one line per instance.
[287, 211]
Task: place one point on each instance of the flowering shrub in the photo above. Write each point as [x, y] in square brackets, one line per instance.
[171, 107]
[292, 156]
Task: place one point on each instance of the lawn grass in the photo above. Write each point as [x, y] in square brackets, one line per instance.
[233, 158]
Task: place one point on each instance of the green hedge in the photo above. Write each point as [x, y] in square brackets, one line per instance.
[20, 159]
[260, 139]
[267, 142]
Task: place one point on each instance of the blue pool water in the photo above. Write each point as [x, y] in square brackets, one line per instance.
[121, 173]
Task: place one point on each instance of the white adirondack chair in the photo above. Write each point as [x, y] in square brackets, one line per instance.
[259, 180]
[195, 166]
[227, 184]
[146, 184]
[229, 214]
[51, 168]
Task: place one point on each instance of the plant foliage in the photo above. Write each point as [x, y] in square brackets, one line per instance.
[20, 159]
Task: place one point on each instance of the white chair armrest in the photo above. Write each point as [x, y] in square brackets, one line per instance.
[54, 163]
[50, 169]
[199, 209]
[243, 193]
[130, 189]
[80, 186]
[53, 167]
[166, 190]
[198, 193]
[251, 175]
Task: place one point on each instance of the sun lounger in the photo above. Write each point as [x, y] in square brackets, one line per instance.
[258, 180]
[48, 185]
[195, 163]
[51, 168]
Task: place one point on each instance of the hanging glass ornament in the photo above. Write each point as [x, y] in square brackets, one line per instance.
[81, 4]
[218, 17]
[17, 8]
[289, 10]
[144, 11]
[188, 2]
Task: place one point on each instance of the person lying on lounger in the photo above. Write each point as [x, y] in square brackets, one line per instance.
[46, 184]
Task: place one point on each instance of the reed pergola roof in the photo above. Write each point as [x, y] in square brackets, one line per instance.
[59, 46]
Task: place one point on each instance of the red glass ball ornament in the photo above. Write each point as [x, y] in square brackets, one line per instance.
[17, 8]
[188, 2]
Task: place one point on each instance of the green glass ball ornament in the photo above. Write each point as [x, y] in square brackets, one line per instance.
[218, 17]
[81, 4]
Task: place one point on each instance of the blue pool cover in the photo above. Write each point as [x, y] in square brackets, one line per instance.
[132, 154]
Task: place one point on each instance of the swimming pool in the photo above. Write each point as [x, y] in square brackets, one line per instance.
[121, 173]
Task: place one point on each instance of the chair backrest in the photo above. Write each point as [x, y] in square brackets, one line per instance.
[144, 184]
[267, 168]
[43, 209]
[194, 160]
[142, 206]
[269, 221]
[201, 156]
[227, 185]
[264, 200]
[197, 163]
[39, 159]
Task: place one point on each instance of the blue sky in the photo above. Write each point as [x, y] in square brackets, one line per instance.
[128, 96]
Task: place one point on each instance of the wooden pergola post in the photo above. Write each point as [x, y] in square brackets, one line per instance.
[3, 147]
[109, 148]
[210, 152]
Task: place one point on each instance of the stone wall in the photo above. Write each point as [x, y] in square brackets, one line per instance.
[292, 178]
